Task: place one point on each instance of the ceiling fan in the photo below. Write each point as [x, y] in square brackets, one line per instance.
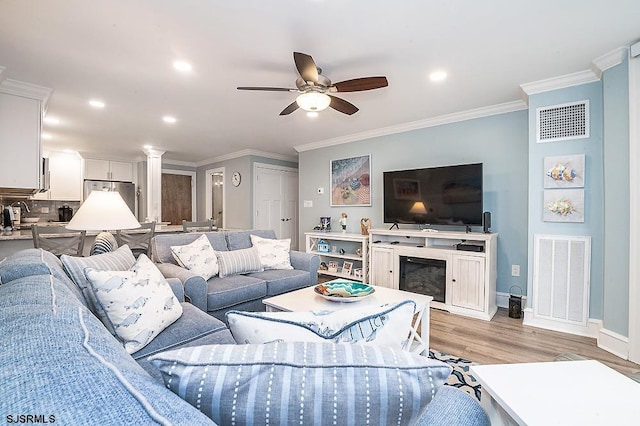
[314, 88]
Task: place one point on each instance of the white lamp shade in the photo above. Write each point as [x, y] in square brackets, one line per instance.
[101, 211]
[313, 101]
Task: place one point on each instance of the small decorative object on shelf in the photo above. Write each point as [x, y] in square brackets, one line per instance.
[341, 251]
[325, 223]
[365, 225]
[323, 266]
[357, 273]
[323, 246]
[332, 266]
[346, 268]
[343, 222]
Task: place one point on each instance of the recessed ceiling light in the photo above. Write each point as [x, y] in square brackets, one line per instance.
[147, 147]
[438, 76]
[96, 103]
[169, 119]
[46, 136]
[52, 120]
[182, 66]
[312, 114]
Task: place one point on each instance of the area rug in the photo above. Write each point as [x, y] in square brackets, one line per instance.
[460, 376]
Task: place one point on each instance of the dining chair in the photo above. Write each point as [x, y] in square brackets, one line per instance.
[58, 240]
[205, 225]
[138, 239]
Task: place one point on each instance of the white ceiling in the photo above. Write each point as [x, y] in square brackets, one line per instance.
[122, 51]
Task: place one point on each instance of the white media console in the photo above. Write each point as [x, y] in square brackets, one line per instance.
[465, 279]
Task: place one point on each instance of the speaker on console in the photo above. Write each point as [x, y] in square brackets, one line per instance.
[486, 222]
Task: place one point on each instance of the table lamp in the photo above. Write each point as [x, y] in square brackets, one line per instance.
[103, 211]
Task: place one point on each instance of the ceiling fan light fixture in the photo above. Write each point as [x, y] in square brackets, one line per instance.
[313, 101]
[312, 114]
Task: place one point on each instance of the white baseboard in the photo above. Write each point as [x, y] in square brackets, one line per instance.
[590, 330]
[502, 300]
[614, 343]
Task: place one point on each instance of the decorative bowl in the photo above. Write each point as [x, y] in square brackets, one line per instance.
[30, 219]
[344, 291]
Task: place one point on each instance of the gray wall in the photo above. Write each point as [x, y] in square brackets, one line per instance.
[499, 142]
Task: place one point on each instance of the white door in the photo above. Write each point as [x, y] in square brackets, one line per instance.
[276, 201]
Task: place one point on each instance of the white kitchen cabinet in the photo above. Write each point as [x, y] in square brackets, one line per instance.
[120, 171]
[65, 177]
[21, 159]
[342, 247]
[382, 267]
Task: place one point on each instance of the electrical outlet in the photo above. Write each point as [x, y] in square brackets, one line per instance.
[515, 270]
[308, 203]
[320, 191]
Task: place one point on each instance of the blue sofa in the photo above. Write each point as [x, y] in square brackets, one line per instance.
[241, 292]
[58, 363]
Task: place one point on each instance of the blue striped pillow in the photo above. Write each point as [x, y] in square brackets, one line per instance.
[303, 383]
[241, 261]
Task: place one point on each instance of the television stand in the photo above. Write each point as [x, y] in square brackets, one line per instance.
[470, 276]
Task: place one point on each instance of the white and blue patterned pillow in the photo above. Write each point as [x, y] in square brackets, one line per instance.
[198, 257]
[386, 325]
[303, 383]
[274, 254]
[138, 303]
[241, 261]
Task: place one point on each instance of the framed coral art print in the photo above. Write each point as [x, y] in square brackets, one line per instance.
[565, 171]
[563, 205]
[351, 181]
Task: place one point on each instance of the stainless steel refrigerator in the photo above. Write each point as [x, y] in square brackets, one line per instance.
[126, 189]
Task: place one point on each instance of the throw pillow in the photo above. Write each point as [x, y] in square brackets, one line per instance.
[274, 254]
[303, 383]
[241, 261]
[198, 257]
[120, 260]
[138, 303]
[386, 325]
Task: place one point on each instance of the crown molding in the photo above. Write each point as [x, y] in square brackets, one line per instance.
[245, 153]
[420, 124]
[562, 82]
[609, 60]
[179, 163]
[20, 88]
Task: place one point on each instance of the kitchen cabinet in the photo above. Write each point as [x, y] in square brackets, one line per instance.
[65, 177]
[120, 171]
[336, 248]
[21, 159]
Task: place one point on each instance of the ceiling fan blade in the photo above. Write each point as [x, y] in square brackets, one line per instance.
[360, 84]
[306, 67]
[343, 106]
[269, 89]
[288, 110]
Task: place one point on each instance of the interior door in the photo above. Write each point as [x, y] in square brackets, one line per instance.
[176, 198]
[276, 201]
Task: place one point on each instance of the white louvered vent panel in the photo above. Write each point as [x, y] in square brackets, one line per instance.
[562, 122]
[561, 278]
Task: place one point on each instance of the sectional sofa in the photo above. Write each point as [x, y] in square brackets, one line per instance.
[59, 363]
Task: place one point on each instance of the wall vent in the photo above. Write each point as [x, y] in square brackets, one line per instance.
[562, 122]
[561, 276]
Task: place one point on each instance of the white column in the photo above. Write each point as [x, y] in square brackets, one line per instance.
[154, 184]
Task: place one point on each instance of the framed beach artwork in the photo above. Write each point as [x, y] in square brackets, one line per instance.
[564, 171]
[563, 205]
[351, 181]
[347, 267]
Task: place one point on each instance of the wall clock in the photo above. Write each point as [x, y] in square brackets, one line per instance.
[236, 179]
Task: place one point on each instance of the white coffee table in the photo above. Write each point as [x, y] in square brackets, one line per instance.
[306, 299]
[558, 393]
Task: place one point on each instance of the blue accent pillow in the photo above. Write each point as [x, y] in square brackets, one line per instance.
[303, 383]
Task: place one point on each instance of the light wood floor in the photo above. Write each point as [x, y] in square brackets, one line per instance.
[505, 340]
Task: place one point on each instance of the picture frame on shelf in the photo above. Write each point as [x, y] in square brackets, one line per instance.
[332, 266]
[357, 273]
[347, 267]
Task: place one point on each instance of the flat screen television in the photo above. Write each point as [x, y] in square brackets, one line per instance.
[450, 195]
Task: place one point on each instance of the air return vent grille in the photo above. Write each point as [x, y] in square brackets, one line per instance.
[562, 122]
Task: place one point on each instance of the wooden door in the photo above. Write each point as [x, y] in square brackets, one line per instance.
[176, 198]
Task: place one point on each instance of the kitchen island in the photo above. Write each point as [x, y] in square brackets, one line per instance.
[23, 239]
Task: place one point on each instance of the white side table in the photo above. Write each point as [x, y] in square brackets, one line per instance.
[558, 393]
